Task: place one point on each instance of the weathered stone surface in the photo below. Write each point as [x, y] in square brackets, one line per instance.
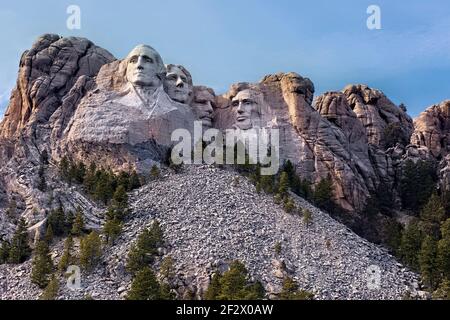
[376, 112]
[432, 129]
[47, 72]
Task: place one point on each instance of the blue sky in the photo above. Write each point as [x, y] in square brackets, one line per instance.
[223, 42]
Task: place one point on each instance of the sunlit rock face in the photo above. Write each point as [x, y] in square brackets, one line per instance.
[376, 112]
[432, 129]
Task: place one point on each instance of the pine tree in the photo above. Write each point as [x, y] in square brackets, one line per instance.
[267, 184]
[307, 217]
[428, 262]
[432, 214]
[410, 245]
[120, 198]
[233, 282]
[323, 195]
[4, 252]
[90, 251]
[78, 223]
[135, 181]
[42, 265]
[145, 286]
[64, 168]
[288, 205]
[49, 234]
[57, 220]
[283, 187]
[52, 289]
[112, 229]
[214, 288]
[66, 258]
[290, 291]
[417, 183]
[444, 250]
[167, 269]
[20, 250]
[443, 292]
[142, 253]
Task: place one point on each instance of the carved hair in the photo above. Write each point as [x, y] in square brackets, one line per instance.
[188, 75]
[198, 89]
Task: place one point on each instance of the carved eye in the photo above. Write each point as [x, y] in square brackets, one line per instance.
[147, 59]
[134, 59]
[235, 103]
[172, 77]
[183, 79]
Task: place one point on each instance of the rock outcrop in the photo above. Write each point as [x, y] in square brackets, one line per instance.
[432, 130]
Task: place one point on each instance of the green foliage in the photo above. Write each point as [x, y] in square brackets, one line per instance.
[19, 249]
[283, 186]
[49, 234]
[290, 291]
[145, 286]
[112, 229]
[307, 217]
[57, 221]
[410, 245]
[392, 231]
[234, 285]
[155, 172]
[101, 184]
[67, 257]
[443, 292]
[167, 269]
[78, 223]
[417, 183]
[428, 262]
[289, 205]
[431, 216]
[52, 289]
[323, 195]
[4, 252]
[444, 250]
[90, 251]
[146, 247]
[42, 265]
[213, 291]
[116, 214]
[300, 187]
[267, 184]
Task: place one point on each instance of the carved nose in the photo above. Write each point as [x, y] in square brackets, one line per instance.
[180, 83]
[140, 68]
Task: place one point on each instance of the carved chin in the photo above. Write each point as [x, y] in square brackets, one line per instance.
[180, 97]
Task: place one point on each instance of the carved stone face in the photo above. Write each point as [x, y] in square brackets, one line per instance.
[203, 103]
[179, 84]
[245, 108]
[144, 67]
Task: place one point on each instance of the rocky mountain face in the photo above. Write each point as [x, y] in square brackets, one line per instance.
[75, 99]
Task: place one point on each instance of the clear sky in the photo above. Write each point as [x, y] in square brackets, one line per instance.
[226, 41]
